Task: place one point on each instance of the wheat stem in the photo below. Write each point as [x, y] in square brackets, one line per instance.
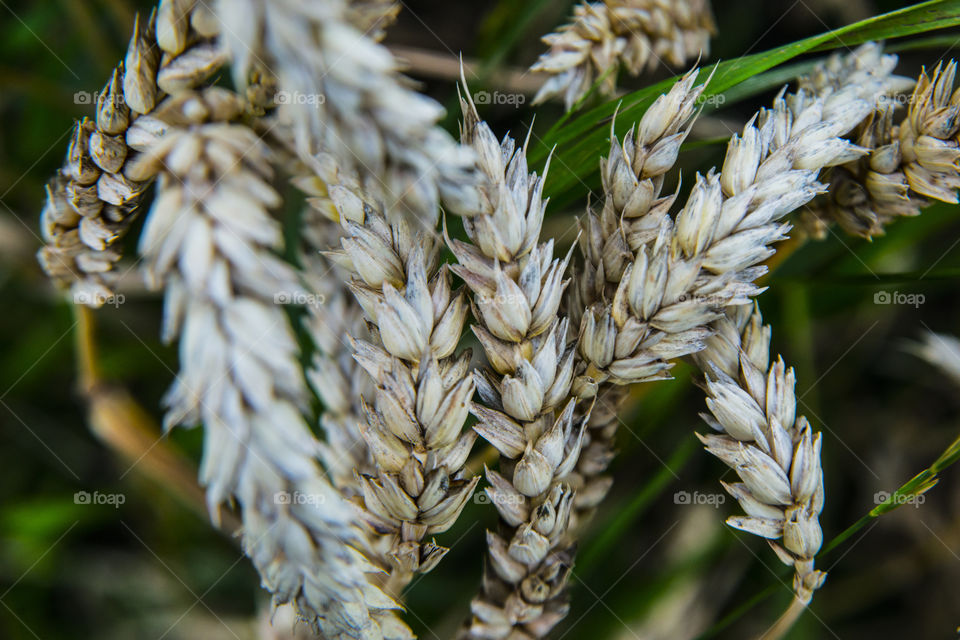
[786, 620]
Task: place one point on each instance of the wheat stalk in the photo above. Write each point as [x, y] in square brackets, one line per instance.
[909, 163]
[94, 197]
[210, 241]
[636, 34]
[346, 99]
[413, 428]
[676, 275]
[523, 411]
[774, 451]
[632, 177]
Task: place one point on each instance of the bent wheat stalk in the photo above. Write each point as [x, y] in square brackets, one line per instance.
[636, 34]
[678, 274]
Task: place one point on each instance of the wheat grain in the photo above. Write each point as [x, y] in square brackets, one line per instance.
[636, 34]
[346, 98]
[909, 163]
[94, 199]
[210, 242]
[774, 451]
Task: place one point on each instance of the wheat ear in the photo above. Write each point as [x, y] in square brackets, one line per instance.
[524, 412]
[632, 177]
[346, 98]
[670, 277]
[414, 425]
[909, 163]
[636, 34]
[775, 452]
[210, 242]
[94, 198]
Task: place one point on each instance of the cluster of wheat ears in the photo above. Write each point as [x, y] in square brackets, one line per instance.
[563, 335]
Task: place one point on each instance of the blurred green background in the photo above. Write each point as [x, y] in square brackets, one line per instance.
[152, 567]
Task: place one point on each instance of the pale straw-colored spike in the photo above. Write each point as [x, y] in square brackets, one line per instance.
[753, 411]
[93, 200]
[413, 421]
[604, 36]
[685, 269]
[345, 97]
[523, 408]
[632, 177]
[910, 163]
[675, 274]
[211, 243]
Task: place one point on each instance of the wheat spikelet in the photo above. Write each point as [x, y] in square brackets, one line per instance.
[210, 241]
[346, 98]
[523, 410]
[636, 34]
[414, 421]
[909, 163]
[94, 198]
[774, 451]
